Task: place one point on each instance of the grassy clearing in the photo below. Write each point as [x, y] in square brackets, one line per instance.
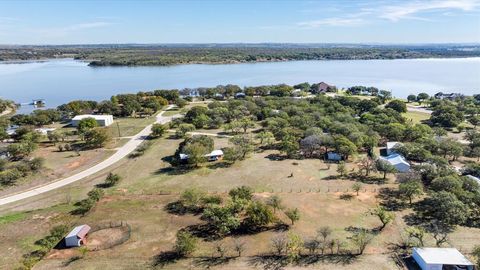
[416, 117]
[129, 126]
[12, 218]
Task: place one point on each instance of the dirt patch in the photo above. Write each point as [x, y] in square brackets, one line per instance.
[105, 237]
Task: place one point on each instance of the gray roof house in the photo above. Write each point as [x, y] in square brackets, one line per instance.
[398, 161]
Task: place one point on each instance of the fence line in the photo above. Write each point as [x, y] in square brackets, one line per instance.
[275, 191]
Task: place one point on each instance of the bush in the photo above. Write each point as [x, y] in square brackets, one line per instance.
[112, 179]
[185, 244]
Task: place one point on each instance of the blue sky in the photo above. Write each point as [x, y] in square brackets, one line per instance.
[181, 21]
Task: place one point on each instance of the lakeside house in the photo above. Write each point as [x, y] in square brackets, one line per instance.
[212, 156]
[103, 120]
[449, 96]
[78, 236]
[441, 258]
[322, 87]
[397, 161]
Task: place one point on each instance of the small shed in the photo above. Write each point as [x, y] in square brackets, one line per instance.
[398, 161]
[391, 147]
[215, 155]
[102, 120]
[77, 236]
[334, 156]
[441, 258]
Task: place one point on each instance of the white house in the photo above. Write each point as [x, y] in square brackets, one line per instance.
[213, 156]
[398, 161]
[437, 258]
[77, 236]
[391, 147]
[103, 120]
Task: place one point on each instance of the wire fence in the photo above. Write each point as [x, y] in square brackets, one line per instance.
[277, 191]
[126, 231]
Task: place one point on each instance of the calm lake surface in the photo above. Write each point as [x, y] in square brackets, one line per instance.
[59, 81]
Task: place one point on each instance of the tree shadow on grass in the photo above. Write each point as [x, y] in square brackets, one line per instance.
[342, 259]
[165, 258]
[275, 157]
[391, 200]
[177, 208]
[219, 165]
[207, 262]
[174, 170]
[368, 179]
[269, 261]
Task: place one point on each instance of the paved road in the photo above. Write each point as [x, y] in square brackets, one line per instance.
[204, 133]
[117, 156]
[418, 109]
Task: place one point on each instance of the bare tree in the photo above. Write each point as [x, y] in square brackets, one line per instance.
[324, 232]
[279, 243]
[221, 249]
[239, 246]
[312, 245]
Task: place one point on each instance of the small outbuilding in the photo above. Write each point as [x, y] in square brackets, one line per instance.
[213, 156]
[391, 147]
[441, 258]
[77, 236]
[334, 156]
[103, 120]
[398, 161]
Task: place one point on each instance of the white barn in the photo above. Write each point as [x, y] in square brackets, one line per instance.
[398, 161]
[103, 120]
[77, 236]
[437, 258]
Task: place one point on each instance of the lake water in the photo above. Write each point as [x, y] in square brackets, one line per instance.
[59, 81]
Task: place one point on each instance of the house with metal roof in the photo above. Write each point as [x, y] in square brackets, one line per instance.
[77, 236]
[398, 161]
[441, 258]
[102, 120]
[391, 147]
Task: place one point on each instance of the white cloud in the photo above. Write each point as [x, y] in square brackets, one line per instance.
[332, 22]
[89, 25]
[409, 9]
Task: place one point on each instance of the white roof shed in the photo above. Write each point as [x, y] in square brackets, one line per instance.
[436, 258]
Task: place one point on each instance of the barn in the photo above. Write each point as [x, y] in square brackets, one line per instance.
[441, 258]
[77, 236]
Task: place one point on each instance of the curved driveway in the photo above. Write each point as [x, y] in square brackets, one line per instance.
[122, 152]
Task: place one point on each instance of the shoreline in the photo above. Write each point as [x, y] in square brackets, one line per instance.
[90, 61]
